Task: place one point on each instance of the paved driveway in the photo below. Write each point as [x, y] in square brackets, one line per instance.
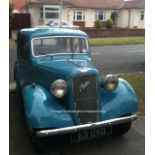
[132, 143]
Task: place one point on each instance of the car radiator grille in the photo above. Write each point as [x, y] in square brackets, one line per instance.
[86, 98]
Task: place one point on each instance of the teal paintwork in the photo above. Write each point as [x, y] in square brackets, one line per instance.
[45, 110]
[42, 110]
[119, 102]
[45, 32]
[40, 104]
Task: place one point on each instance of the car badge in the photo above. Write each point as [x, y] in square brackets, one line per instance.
[84, 85]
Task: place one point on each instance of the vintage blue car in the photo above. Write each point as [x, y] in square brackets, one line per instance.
[63, 93]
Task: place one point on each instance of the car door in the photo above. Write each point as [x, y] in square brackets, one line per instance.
[23, 66]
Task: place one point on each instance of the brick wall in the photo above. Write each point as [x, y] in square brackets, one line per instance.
[79, 23]
[115, 32]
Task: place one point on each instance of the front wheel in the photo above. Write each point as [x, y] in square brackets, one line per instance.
[121, 129]
[19, 97]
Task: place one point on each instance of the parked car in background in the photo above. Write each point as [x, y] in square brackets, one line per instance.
[63, 93]
[64, 24]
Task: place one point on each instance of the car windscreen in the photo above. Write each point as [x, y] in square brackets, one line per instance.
[57, 45]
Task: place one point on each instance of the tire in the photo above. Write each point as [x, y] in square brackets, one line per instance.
[19, 97]
[37, 143]
[121, 129]
[18, 90]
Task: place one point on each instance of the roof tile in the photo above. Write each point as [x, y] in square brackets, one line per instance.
[133, 4]
[106, 4]
[96, 4]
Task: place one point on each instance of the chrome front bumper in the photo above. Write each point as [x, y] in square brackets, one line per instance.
[72, 129]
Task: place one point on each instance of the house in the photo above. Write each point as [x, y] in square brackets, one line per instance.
[85, 12]
[132, 14]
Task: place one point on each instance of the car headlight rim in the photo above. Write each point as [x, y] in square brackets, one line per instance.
[110, 82]
[59, 88]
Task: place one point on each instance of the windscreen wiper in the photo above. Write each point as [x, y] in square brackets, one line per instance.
[74, 49]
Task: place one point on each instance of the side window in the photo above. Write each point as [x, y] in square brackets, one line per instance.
[142, 15]
[101, 15]
[24, 53]
[79, 15]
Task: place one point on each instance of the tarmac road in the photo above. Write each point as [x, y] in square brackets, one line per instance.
[108, 59]
[119, 59]
[133, 143]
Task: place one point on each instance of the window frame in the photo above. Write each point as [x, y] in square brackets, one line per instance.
[36, 56]
[76, 14]
[97, 14]
[142, 15]
[44, 10]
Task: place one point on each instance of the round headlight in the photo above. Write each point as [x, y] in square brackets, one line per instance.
[110, 82]
[59, 88]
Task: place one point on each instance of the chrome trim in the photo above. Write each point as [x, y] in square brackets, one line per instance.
[55, 54]
[106, 123]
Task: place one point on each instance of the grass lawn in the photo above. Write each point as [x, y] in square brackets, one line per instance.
[137, 80]
[116, 41]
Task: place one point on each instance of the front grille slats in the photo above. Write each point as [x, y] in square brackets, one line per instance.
[85, 96]
[84, 86]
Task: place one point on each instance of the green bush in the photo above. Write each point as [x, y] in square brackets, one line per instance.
[98, 24]
[109, 23]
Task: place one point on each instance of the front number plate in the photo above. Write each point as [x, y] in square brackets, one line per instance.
[89, 134]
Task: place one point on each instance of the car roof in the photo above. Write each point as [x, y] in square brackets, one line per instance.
[43, 32]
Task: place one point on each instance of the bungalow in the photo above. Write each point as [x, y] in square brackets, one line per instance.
[131, 14]
[85, 12]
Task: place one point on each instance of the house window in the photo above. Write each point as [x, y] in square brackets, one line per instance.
[142, 15]
[41, 13]
[79, 16]
[50, 12]
[101, 15]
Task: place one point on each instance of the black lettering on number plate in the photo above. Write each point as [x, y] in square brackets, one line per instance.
[84, 135]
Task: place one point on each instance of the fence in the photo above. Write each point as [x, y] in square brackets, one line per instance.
[20, 21]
